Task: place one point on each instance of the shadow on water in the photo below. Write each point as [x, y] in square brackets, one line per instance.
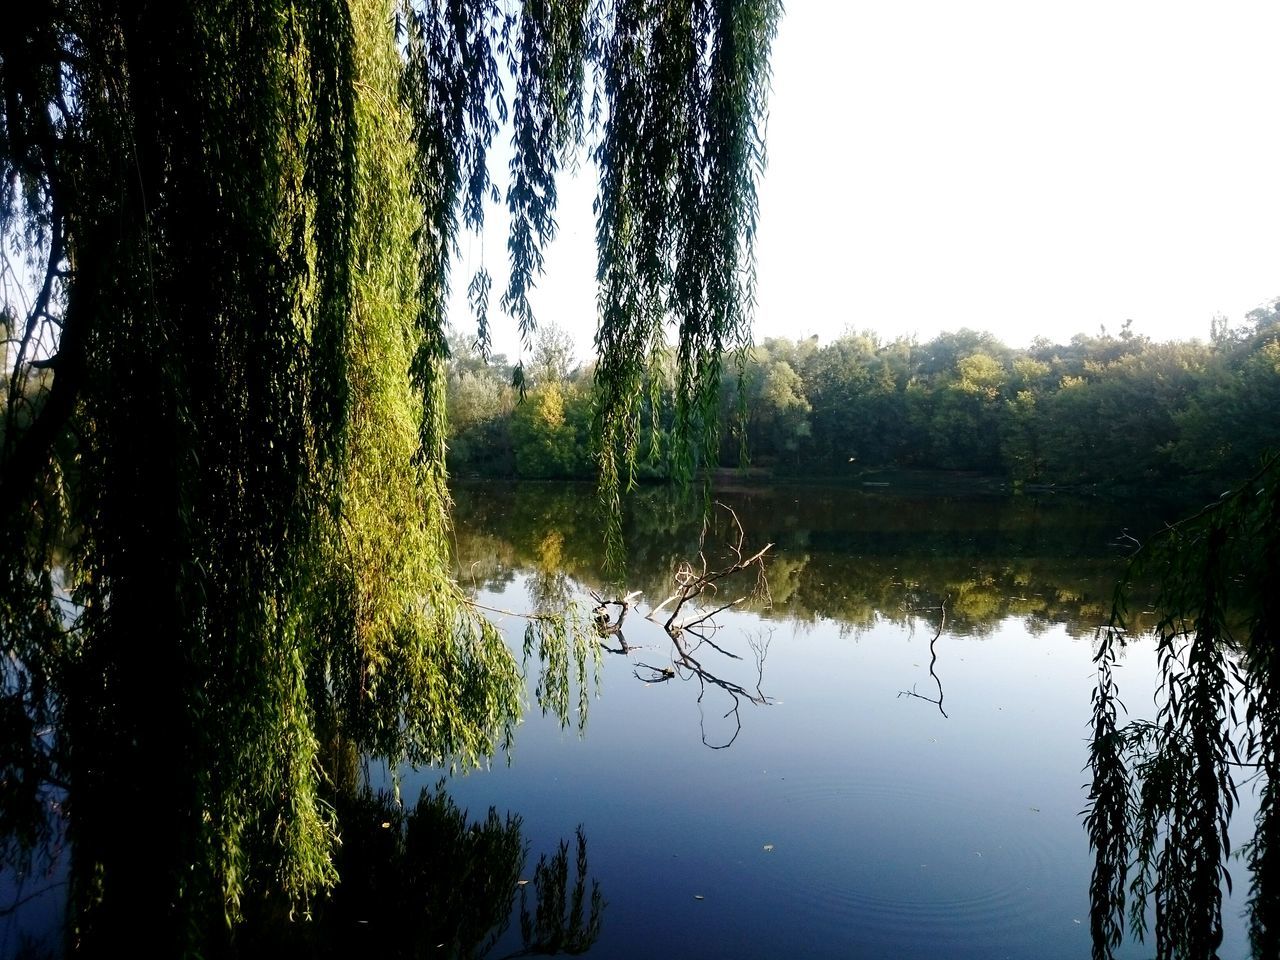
[425, 880]
[428, 881]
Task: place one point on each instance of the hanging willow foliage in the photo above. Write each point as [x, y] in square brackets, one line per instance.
[227, 227]
[681, 149]
[1164, 791]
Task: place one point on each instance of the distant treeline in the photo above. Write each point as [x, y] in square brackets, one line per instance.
[1114, 412]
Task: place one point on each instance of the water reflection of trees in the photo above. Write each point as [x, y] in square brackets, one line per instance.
[843, 555]
[1164, 793]
[39, 840]
[424, 880]
[847, 556]
[428, 880]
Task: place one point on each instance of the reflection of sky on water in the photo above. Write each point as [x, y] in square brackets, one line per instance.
[32, 904]
[845, 820]
[32, 900]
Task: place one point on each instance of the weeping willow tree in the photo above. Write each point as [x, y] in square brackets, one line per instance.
[227, 227]
[1164, 790]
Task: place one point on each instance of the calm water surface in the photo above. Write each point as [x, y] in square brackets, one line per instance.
[912, 787]
[854, 815]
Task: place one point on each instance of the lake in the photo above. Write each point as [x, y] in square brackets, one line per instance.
[898, 795]
[879, 753]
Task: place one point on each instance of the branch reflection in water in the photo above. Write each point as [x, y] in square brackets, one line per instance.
[855, 566]
[933, 659]
[690, 584]
[855, 558]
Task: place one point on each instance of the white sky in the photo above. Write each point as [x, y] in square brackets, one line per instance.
[1018, 166]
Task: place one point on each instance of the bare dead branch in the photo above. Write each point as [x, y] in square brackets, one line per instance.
[606, 625]
[692, 582]
[656, 674]
[652, 615]
[539, 617]
[707, 616]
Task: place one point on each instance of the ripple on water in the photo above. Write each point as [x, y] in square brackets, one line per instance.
[910, 866]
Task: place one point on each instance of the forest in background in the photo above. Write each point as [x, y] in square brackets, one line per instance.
[1119, 413]
[222, 462]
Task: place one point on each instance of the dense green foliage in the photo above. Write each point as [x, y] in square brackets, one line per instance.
[1120, 413]
[227, 230]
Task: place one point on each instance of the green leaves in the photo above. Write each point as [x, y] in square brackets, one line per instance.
[679, 157]
[244, 214]
[549, 59]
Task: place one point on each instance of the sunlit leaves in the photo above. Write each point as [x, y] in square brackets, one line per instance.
[452, 87]
[248, 211]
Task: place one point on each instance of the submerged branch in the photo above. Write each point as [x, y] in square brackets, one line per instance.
[690, 584]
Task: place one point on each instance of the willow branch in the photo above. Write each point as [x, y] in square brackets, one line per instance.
[538, 617]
